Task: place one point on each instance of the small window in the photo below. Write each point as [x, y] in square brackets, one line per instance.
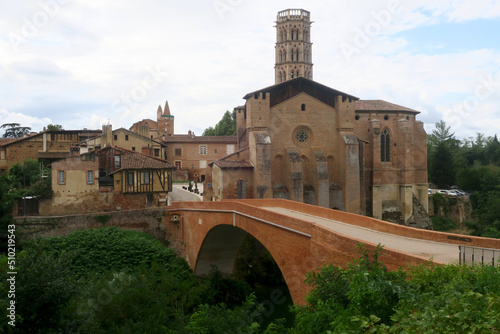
[118, 162]
[303, 107]
[215, 151]
[133, 148]
[130, 177]
[157, 152]
[203, 149]
[146, 178]
[126, 137]
[192, 166]
[90, 177]
[61, 177]
[115, 137]
[178, 151]
[178, 165]
[386, 117]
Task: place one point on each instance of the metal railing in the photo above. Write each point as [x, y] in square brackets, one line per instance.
[474, 255]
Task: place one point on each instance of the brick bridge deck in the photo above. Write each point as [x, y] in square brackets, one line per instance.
[301, 237]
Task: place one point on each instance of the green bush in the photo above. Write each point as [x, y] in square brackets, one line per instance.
[100, 250]
[442, 224]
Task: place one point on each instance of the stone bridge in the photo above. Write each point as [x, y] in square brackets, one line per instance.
[300, 237]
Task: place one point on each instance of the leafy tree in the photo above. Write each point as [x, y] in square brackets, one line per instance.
[225, 127]
[54, 127]
[26, 179]
[15, 130]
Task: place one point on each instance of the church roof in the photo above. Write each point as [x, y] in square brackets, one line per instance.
[381, 105]
[288, 89]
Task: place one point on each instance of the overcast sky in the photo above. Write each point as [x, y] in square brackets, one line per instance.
[83, 63]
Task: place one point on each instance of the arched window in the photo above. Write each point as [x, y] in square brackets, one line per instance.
[293, 54]
[292, 75]
[385, 146]
[281, 56]
[297, 55]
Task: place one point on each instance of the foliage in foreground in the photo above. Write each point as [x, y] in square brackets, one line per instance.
[62, 287]
[366, 298]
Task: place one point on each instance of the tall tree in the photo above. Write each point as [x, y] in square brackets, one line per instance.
[442, 132]
[442, 169]
[15, 130]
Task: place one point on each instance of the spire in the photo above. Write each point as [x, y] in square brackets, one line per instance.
[166, 109]
[159, 112]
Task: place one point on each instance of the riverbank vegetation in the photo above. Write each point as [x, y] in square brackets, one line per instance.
[111, 281]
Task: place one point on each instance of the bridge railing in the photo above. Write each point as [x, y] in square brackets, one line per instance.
[474, 255]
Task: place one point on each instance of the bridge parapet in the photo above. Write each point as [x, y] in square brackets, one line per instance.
[379, 225]
[212, 232]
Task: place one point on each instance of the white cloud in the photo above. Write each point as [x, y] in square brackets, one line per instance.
[36, 124]
[85, 65]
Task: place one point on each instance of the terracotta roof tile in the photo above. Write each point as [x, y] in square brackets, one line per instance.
[233, 164]
[199, 139]
[136, 160]
[381, 105]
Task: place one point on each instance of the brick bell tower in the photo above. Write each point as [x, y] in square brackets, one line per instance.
[293, 45]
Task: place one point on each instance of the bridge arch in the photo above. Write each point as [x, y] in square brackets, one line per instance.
[223, 243]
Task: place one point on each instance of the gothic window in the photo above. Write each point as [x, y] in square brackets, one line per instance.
[293, 53]
[281, 56]
[292, 75]
[298, 74]
[385, 146]
[297, 55]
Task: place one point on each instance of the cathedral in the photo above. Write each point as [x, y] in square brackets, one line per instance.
[303, 141]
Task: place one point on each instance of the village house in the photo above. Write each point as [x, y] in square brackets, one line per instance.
[45, 146]
[108, 179]
[135, 141]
